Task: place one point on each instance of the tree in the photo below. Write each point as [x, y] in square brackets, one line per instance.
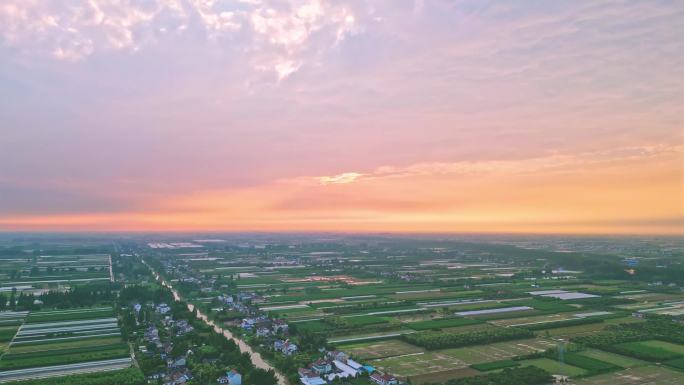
[207, 373]
[12, 302]
[260, 377]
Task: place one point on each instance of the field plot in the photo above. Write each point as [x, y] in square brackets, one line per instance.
[312, 326]
[433, 294]
[532, 320]
[66, 341]
[470, 328]
[363, 320]
[623, 320]
[63, 370]
[441, 323]
[32, 273]
[643, 375]
[499, 351]
[554, 367]
[576, 331]
[380, 349]
[358, 338]
[441, 377]
[592, 365]
[442, 360]
[9, 325]
[488, 312]
[652, 350]
[495, 365]
[419, 364]
[12, 318]
[67, 315]
[615, 359]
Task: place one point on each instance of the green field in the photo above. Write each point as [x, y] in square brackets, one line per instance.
[552, 306]
[441, 323]
[615, 359]
[79, 343]
[554, 367]
[364, 320]
[419, 364]
[312, 326]
[59, 337]
[442, 376]
[499, 351]
[31, 360]
[27, 355]
[414, 364]
[652, 350]
[575, 331]
[69, 315]
[7, 333]
[130, 376]
[380, 349]
[678, 363]
[642, 375]
[488, 366]
[590, 364]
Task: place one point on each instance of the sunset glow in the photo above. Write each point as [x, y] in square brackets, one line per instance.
[314, 115]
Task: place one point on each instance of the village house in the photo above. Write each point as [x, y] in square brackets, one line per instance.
[343, 371]
[248, 323]
[177, 377]
[226, 300]
[384, 379]
[279, 326]
[312, 380]
[262, 332]
[178, 363]
[183, 327]
[308, 377]
[286, 347]
[336, 355]
[162, 308]
[152, 334]
[232, 377]
[263, 322]
[321, 366]
[156, 376]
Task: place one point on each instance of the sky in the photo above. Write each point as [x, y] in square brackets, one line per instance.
[352, 116]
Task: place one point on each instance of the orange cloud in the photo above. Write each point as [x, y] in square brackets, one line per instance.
[346, 177]
[620, 191]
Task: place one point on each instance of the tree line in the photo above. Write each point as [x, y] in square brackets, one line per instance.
[442, 340]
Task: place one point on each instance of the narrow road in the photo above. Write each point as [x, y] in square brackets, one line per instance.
[257, 360]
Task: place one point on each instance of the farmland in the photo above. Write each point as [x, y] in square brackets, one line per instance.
[381, 349]
[615, 359]
[57, 314]
[421, 315]
[408, 361]
[643, 375]
[64, 339]
[553, 366]
[36, 273]
[413, 310]
[651, 350]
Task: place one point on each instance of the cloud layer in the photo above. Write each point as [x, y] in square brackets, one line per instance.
[276, 34]
[387, 114]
